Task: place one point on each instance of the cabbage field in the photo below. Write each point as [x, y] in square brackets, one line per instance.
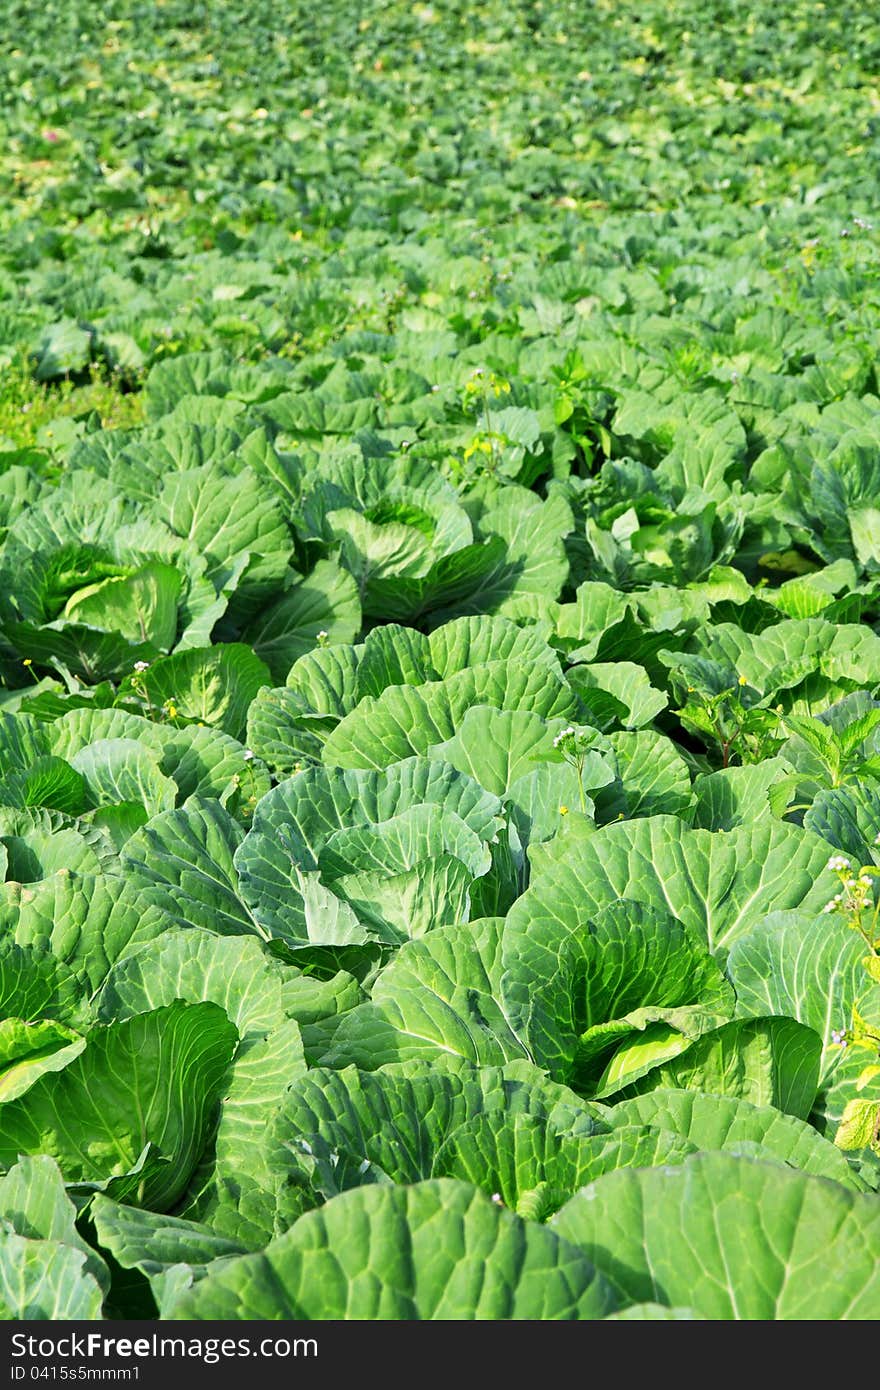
[440, 660]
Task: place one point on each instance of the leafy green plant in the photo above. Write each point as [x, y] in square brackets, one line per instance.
[732, 728]
[439, 661]
[855, 902]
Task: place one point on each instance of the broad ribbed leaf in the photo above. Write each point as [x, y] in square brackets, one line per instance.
[438, 1249]
[534, 1170]
[36, 984]
[652, 778]
[738, 796]
[226, 517]
[152, 1080]
[769, 1061]
[725, 1122]
[805, 966]
[281, 731]
[85, 920]
[170, 1252]
[183, 862]
[563, 987]
[43, 1280]
[408, 719]
[849, 819]
[214, 685]
[142, 607]
[35, 1205]
[324, 602]
[412, 839]
[30, 1049]
[439, 997]
[684, 1235]
[394, 655]
[718, 886]
[345, 1127]
[194, 965]
[49, 782]
[622, 689]
[811, 969]
[241, 1187]
[474, 641]
[123, 770]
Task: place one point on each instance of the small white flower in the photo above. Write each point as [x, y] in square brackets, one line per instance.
[838, 862]
[140, 666]
[248, 754]
[830, 907]
[850, 883]
[838, 1037]
[864, 881]
[497, 1199]
[323, 635]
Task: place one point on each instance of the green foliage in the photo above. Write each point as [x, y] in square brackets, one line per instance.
[439, 661]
